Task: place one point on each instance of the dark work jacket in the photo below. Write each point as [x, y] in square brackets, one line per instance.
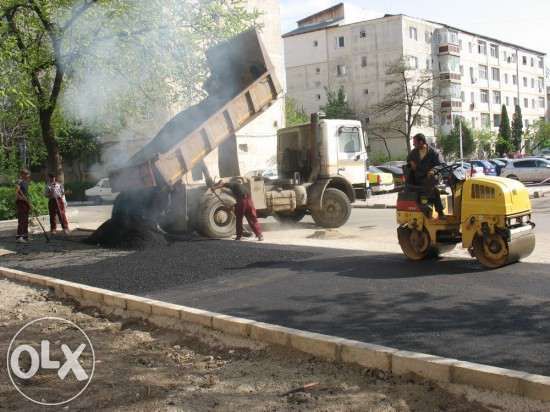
[433, 158]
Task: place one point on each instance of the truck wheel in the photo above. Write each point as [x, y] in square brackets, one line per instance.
[216, 219]
[290, 217]
[336, 209]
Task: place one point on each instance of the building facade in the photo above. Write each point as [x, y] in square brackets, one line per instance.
[473, 75]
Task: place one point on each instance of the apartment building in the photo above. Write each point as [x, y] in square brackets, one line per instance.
[474, 75]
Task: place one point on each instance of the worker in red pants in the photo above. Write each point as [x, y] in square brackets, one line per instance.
[23, 206]
[243, 208]
[56, 204]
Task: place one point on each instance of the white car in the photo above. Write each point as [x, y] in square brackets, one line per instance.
[101, 192]
[527, 170]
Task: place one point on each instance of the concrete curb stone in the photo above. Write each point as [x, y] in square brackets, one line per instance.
[430, 367]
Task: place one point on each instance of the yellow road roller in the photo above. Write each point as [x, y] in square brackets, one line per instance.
[490, 216]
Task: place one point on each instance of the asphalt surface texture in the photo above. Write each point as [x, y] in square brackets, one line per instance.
[450, 307]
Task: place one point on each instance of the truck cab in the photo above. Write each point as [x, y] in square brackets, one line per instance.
[325, 149]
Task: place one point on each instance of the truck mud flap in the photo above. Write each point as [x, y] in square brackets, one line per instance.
[315, 195]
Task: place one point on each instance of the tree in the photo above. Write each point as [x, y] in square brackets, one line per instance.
[337, 106]
[293, 114]
[78, 145]
[517, 129]
[410, 95]
[484, 142]
[450, 144]
[108, 57]
[539, 138]
[504, 139]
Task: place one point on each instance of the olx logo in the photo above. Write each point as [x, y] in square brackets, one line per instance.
[53, 369]
[43, 361]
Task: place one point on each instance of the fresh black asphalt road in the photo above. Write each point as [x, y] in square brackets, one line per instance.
[449, 307]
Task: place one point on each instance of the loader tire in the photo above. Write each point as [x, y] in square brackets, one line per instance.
[216, 219]
[335, 211]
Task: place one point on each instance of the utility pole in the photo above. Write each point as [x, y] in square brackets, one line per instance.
[460, 138]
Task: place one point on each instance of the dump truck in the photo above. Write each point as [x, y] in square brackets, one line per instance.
[321, 165]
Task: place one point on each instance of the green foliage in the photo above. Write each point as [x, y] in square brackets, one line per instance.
[539, 138]
[379, 158]
[294, 115]
[36, 196]
[484, 140]
[504, 140]
[517, 129]
[337, 106]
[74, 191]
[450, 144]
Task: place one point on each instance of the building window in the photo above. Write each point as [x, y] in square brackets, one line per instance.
[318, 70]
[507, 101]
[430, 121]
[364, 61]
[428, 63]
[366, 91]
[470, 47]
[494, 51]
[496, 97]
[473, 97]
[315, 43]
[481, 47]
[413, 62]
[495, 74]
[541, 102]
[496, 120]
[541, 84]
[485, 120]
[463, 97]
[506, 78]
[318, 97]
[482, 72]
[524, 60]
[460, 45]
[532, 103]
[317, 84]
[461, 70]
[532, 83]
[413, 33]
[484, 96]
[526, 102]
[340, 42]
[516, 101]
[514, 79]
[341, 70]
[428, 37]
[541, 63]
[525, 82]
[526, 124]
[362, 34]
[532, 62]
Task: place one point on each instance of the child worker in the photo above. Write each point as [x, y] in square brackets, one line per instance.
[56, 204]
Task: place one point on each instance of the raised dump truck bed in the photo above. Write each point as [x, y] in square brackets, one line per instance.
[241, 86]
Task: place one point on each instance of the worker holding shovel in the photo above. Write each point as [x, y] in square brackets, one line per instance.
[56, 204]
[23, 206]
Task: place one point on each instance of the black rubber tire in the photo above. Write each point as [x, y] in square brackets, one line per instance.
[211, 207]
[336, 209]
[290, 217]
[403, 235]
[479, 253]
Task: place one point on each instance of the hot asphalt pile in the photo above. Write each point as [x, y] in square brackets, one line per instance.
[136, 235]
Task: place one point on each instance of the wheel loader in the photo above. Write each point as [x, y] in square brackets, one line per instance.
[490, 216]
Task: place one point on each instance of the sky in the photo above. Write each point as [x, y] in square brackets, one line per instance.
[522, 22]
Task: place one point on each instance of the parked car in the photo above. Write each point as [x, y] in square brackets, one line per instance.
[499, 164]
[101, 192]
[269, 174]
[527, 170]
[545, 153]
[379, 181]
[488, 168]
[395, 163]
[397, 173]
